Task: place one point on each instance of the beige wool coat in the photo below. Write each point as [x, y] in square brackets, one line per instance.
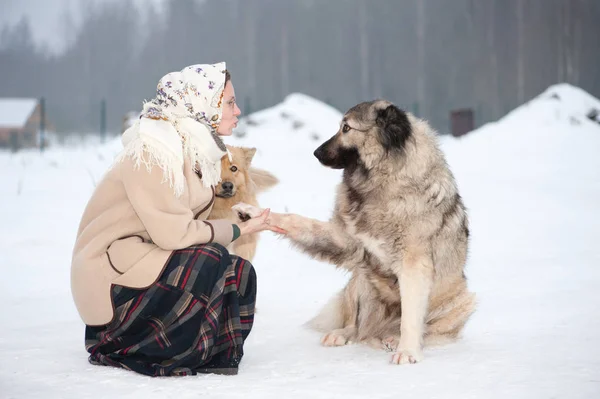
[129, 229]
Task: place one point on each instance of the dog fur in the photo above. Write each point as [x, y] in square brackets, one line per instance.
[240, 182]
[399, 226]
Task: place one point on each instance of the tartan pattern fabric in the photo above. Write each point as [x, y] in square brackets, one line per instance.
[197, 315]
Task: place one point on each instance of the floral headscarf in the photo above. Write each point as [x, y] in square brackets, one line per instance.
[181, 122]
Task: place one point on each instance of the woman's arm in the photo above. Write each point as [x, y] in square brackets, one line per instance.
[170, 224]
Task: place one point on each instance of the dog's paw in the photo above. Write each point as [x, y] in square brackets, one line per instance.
[390, 344]
[242, 217]
[334, 338]
[246, 211]
[405, 356]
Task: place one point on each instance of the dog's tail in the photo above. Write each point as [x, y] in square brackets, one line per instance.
[446, 322]
[262, 179]
[330, 317]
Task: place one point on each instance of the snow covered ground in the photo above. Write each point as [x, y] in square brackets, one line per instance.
[531, 182]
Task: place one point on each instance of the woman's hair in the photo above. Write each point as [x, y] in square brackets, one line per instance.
[227, 76]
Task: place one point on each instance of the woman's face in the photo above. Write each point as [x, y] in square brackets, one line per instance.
[230, 111]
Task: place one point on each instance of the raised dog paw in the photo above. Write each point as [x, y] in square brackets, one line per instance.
[246, 211]
[405, 356]
[334, 338]
[243, 217]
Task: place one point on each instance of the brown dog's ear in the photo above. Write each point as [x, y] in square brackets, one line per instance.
[248, 155]
[262, 179]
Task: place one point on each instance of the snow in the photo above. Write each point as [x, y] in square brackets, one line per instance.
[529, 180]
[14, 112]
[298, 114]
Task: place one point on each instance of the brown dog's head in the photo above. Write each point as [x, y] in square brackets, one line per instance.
[238, 176]
[367, 132]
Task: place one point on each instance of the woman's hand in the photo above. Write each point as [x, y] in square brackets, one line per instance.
[259, 223]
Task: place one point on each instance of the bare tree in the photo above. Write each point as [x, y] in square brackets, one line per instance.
[520, 53]
[488, 55]
[491, 41]
[567, 28]
[577, 10]
[364, 49]
[285, 62]
[250, 23]
[421, 54]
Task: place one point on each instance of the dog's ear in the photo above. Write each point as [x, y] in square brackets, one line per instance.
[248, 155]
[262, 179]
[394, 127]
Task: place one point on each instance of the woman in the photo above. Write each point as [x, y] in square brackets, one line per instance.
[150, 277]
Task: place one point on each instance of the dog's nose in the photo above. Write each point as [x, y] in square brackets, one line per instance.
[322, 150]
[228, 186]
[318, 153]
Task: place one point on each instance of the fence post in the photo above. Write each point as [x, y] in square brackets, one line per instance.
[461, 121]
[103, 120]
[247, 108]
[42, 132]
[416, 109]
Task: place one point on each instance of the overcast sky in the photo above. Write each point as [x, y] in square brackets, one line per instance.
[46, 16]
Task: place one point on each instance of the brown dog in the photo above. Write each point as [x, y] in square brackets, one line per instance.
[240, 183]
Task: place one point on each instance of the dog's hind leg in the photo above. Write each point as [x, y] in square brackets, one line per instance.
[339, 337]
[339, 317]
[390, 343]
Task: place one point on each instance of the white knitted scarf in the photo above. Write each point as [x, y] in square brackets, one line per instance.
[180, 123]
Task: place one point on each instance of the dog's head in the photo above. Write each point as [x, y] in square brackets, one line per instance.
[238, 176]
[368, 132]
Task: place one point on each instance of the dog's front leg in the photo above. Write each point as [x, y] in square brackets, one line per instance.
[322, 240]
[415, 277]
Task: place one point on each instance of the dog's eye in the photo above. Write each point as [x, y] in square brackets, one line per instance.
[345, 128]
[233, 169]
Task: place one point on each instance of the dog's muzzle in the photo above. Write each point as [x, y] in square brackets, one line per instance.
[335, 157]
[225, 190]
[323, 153]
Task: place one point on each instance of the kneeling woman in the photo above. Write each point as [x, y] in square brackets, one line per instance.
[151, 278]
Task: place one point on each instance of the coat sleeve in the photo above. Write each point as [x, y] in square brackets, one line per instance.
[169, 223]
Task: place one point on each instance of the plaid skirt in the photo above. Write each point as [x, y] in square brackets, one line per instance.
[195, 318]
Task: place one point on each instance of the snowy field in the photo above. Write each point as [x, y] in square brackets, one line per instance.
[531, 182]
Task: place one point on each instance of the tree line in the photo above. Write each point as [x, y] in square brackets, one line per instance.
[428, 56]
